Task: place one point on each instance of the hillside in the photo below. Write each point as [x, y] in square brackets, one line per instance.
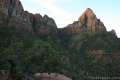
[31, 44]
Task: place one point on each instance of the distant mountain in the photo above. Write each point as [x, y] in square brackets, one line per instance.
[88, 22]
[13, 14]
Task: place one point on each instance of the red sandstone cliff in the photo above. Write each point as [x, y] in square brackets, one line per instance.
[35, 23]
[88, 22]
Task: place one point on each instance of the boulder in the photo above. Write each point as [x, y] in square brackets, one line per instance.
[51, 76]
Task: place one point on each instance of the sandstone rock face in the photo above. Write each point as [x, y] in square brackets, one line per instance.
[88, 22]
[14, 13]
[44, 25]
[14, 6]
[51, 76]
[35, 23]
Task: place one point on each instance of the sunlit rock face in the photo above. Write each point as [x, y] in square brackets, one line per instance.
[88, 22]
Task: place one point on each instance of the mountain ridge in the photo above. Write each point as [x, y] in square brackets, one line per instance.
[15, 15]
[44, 25]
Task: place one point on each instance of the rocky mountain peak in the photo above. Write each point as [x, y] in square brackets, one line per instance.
[89, 11]
[35, 23]
[87, 14]
[88, 22]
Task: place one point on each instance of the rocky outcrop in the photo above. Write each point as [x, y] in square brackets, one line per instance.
[4, 75]
[51, 76]
[44, 25]
[88, 22]
[14, 14]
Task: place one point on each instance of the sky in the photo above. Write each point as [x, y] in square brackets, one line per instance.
[65, 12]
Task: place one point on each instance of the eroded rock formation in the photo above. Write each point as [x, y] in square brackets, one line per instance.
[88, 22]
[13, 13]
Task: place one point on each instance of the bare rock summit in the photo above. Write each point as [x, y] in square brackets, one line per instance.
[88, 22]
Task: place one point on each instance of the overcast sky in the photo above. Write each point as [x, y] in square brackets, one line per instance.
[65, 12]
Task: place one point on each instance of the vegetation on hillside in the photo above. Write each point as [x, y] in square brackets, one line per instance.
[67, 55]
